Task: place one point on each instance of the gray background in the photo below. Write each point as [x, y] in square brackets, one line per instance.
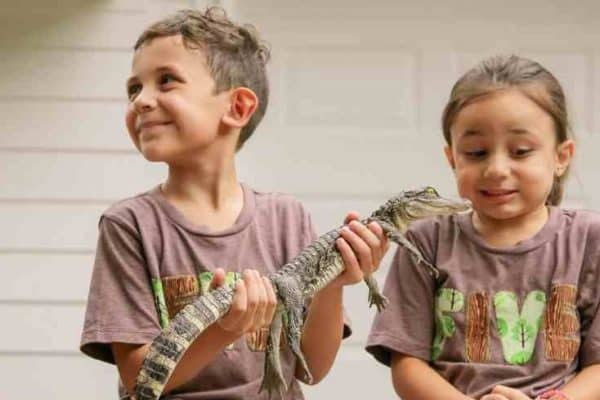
[357, 92]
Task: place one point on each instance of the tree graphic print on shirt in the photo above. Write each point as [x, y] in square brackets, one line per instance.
[518, 330]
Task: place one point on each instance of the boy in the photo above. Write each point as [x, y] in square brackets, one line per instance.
[197, 91]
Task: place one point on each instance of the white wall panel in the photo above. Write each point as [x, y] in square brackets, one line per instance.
[45, 277]
[349, 79]
[56, 377]
[51, 227]
[44, 328]
[64, 73]
[355, 375]
[67, 125]
[39, 175]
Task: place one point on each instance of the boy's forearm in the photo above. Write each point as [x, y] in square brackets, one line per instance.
[414, 379]
[322, 333]
[585, 385]
[200, 353]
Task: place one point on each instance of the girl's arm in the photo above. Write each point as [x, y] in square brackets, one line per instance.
[585, 385]
[414, 379]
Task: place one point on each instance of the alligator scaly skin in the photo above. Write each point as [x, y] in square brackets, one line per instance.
[295, 283]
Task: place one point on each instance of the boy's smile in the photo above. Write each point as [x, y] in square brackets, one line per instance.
[174, 114]
[505, 156]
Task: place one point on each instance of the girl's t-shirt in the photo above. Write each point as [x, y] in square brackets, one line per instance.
[525, 316]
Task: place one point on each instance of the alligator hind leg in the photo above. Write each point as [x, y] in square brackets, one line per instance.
[375, 296]
[273, 379]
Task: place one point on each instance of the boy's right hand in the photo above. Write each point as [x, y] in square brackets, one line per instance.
[253, 305]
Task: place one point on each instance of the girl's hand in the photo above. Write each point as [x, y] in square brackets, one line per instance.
[505, 393]
[361, 247]
[253, 305]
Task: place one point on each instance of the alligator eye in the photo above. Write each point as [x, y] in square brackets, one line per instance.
[431, 190]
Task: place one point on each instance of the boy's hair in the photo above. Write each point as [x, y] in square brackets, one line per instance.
[235, 55]
[531, 79]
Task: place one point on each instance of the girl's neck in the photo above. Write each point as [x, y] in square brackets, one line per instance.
[509, 232]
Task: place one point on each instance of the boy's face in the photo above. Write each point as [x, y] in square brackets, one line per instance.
[173, 114]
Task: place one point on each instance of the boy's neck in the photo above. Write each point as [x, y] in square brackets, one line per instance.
[210, 198]
[506, 233]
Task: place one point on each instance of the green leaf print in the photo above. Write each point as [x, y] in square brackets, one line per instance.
[523, 326]
[520, 358]
[502, 327]
[446, 301]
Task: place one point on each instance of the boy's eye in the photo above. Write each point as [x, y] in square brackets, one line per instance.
[165, 79]
[133, 90]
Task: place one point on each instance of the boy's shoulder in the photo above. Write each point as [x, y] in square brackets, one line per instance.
[279, 200]
[128, 210]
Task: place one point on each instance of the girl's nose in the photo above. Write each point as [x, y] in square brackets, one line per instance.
[497, 167]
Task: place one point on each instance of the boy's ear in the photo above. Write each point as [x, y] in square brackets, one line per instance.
[449, 156]
[564, 154]
[243, 103]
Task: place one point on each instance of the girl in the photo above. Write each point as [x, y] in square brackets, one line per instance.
[515, 315]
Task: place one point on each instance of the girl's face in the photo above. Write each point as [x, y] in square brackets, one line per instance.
[505, 155]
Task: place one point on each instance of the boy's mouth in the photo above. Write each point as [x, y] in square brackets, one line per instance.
[149, 124]
[498, 194]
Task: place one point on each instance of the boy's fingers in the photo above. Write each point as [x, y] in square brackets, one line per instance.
[218, 279]
[271, 301]
[252, 294]
[384, 242]
[232, 320]
[351, 216]
[261, 308]
[355, 235]
[352, 271]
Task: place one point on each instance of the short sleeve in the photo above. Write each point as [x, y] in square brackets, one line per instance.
[120, 305]
[589, 309]
[406, 325]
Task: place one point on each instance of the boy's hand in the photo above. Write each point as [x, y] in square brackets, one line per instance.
[253, 305]
[361, 247]
[505, 393]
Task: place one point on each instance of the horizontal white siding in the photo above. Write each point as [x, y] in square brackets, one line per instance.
[357, 93]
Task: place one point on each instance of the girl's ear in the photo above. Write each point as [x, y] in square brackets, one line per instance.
[243, 104]
[564, 153]
[449, 156]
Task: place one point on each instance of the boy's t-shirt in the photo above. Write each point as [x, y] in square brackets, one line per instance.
[525, 316]
[151, 262]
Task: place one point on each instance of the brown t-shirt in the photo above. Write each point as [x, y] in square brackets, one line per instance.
[151, 261]
[524, 316]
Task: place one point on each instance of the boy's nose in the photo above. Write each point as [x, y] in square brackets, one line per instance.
[145, 101]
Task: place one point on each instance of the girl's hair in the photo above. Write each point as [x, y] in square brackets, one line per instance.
[531, 79]
[235, 54]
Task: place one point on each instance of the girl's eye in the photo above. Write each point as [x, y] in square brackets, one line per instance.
[522, 152]
[476, 153]
[133, 90]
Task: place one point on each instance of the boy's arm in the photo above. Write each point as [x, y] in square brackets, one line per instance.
[252, 308]
[362, 249]
[414, 379]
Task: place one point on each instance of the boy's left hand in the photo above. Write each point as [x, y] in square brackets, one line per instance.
[505, 393]
[361, 247]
